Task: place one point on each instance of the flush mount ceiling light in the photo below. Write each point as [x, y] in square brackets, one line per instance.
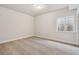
[39, 6]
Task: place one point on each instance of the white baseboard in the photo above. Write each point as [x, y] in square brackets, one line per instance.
[16, 39]
[8, 40]
[55, 40]
[46, 37]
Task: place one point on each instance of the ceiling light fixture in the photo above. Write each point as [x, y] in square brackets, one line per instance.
[39, 6]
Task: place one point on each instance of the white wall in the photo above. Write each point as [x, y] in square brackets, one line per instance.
[46, 26]
[14, 25]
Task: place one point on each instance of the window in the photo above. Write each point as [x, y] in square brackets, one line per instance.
[66, 23]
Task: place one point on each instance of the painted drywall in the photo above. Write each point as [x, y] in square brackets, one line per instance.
[45, 26]
[14, 25]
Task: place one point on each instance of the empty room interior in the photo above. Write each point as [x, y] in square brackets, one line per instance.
[39, 29]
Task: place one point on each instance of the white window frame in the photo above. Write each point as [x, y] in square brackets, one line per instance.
[74, 24]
